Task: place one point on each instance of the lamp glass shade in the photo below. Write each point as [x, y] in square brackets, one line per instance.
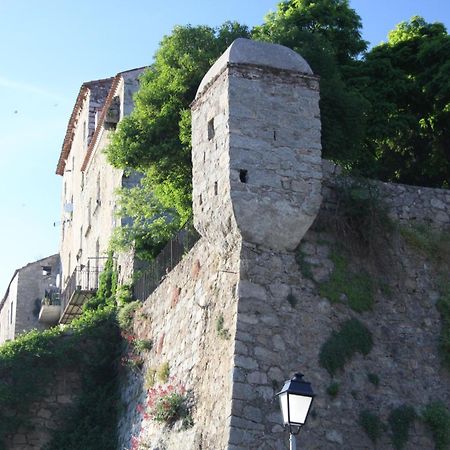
[298, 408]
[284, 407]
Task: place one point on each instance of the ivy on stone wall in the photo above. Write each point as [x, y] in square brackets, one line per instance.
[435, 246]
[437, 418]
[352, 337]
[27, 369]
[345, 286]
[400, 420]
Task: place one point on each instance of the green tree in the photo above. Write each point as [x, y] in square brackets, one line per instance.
[155, 138]
[327, 33]
[406, 81]
[301, 23]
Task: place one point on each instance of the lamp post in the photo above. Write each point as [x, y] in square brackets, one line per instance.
[295, 401]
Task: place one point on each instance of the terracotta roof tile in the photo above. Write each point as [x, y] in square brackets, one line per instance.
[106, 106]
[70, 132]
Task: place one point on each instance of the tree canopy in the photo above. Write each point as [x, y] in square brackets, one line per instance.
[406, 81]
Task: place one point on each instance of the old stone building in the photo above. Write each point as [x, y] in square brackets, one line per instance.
[89, 185]
[31, 287]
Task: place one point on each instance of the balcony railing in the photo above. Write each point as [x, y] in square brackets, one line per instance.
[82, 284]
[167, 259]
[50, 311]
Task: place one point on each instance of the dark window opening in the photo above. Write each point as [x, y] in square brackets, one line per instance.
[216, 188]
[200, 200]
[274, 135]
[211, 129]
[243, 176]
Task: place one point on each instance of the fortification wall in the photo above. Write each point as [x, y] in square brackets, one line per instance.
[181, 317]
[404, 203]
[47, 414]
[285, 318]
[279, 319]
[284, 304]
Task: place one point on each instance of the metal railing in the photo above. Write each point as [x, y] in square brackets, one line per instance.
[81, 279]
[166, 260]
[51, 297]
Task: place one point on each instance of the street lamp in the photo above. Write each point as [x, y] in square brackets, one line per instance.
[295, 401]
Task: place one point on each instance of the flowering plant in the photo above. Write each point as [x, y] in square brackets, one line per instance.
[167, 403]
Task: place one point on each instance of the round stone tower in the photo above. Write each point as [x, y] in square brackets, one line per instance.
[256, 147]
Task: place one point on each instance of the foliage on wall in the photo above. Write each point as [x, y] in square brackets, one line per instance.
[29, 363]
[90, 346]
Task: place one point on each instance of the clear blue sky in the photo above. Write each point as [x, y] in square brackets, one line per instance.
[49, 47]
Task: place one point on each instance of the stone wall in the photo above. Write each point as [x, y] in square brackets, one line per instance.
[180, 317]
[31, 290]
[284, 320]
[47, 414]
[256, 146]
[19, 309]
[406, 204]
[280, 325]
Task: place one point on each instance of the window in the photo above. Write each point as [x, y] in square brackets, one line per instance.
[69, 267]
[211, 130]
[89, 212]
[84, 134]
[99, 190]
[81, 242]
[11, 312]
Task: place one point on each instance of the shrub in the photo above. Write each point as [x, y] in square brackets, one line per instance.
[163, 372]
[437, 417]
[292, 300]
[373, 378]
[150, 378]
[340, 347]
[371, 424]
[125, 315]
[360, 212]
[303, 265]
[221, 331]
[141, 345]
[357, 287]
[167, 404]
[27, 366]
[132, 361]
[443, 306]
[434, 245]
[333, 389]
[400, 420]
[123, 294]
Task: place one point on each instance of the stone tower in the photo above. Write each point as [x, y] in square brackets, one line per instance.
[256, 147]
